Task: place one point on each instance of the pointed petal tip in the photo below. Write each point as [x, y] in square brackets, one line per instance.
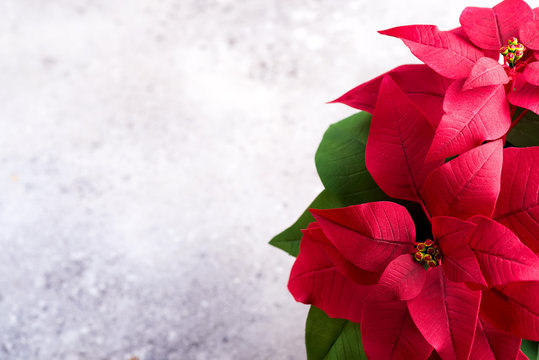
[482, 284]
[468, 85]
[311, 227]
[315, 212]
[477, 286]
[433, 154]
[337, 100]
[394, 31]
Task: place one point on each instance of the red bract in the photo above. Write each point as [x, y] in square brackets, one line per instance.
[485, 72]
[397, 145]
[467, 185]
[446, 313]
[443, 51]
[368, 235]
[492, 343]
[471, 117]
[388, 332]
[460, 263]
[518, 202]
[315, 278]
[514, 307]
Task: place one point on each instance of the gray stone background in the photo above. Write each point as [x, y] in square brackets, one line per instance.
[150, 149]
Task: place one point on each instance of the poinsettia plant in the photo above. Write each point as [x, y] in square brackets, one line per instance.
[424, 243]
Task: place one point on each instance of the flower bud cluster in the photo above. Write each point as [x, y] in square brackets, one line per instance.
[427, 254]
[513, 51]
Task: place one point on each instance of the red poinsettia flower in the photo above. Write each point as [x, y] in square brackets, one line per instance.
[364, 263]
[475, 88]
[361, 263]
[476, 105]
[411, 308]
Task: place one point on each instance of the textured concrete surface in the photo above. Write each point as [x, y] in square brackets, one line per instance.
[148, 152]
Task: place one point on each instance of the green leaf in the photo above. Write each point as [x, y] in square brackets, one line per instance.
[340, 161]
[530, 349]
[526, 131]
[289, 239]
[332, 339]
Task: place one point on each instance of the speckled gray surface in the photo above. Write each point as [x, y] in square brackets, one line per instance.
[150, 149]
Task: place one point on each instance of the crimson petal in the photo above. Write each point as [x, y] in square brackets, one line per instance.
[480, 26]
[493, 54]
[443, 51]
[445, 313]
[491, 343]
[402, 279]
[467, 185]
[368, 235]
[518, 204]
[501, 255]
[531, 72]
[486, 71]
[348, 269]
[314, 279]
[388, 332]
[529, 34]
[424, 87]
[471, 117]
[459, 262]
[397, 145]
[514, 308]
[524, 95]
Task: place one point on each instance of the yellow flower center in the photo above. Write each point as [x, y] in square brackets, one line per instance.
[427, 254]
[513, 52]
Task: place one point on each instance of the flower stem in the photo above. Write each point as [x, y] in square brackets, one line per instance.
[425, 210]
[517, 119]
[513, 109]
